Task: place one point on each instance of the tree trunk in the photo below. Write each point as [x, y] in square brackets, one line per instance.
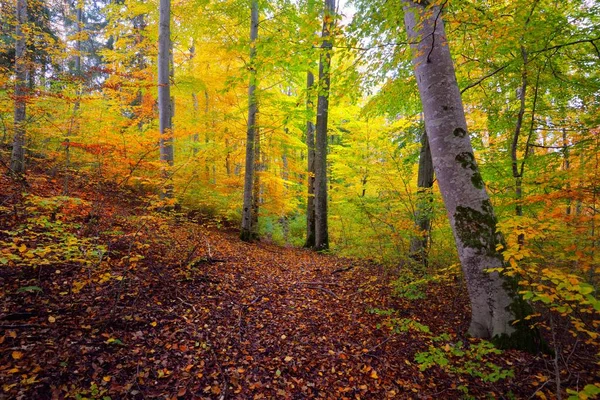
[74, 123]
[164, 95]
[419, 243]
[285, 175]
[566, 167]
[248, 232]
[258, 167]
[206, 137]
[17, 159]
[321, 229]
[468, 206]
[518, 174]
[310, 144]
[195, 135]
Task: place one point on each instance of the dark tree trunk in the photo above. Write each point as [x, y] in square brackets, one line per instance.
[248, 231]
[310, 144]
[420, 243]
[321, 228]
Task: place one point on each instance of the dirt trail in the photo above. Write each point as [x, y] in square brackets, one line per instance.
[176, 309]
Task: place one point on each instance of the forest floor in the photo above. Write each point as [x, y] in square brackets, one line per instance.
[101, 298]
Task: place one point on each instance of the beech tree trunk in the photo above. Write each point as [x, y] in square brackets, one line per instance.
[74, 123]
[256, 192]
[420, 243]
[249, 232]
[310, 144]
[17, 159]
[321, 229]
[469, 209]
[164, 95]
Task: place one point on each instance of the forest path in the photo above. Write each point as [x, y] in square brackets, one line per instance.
[298, 324]
[179, 309]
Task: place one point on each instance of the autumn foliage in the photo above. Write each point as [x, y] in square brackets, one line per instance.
[110, 291]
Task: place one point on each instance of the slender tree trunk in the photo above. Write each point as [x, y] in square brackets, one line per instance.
[248, 231]
[258, 167]
[285, 175]
[164, 95]
[74, 124]
[469, 209]
[321, 229]
[206, 136]
[227, 158]
[310, 144]
[566, 167]
[17, 160]
[139, 25]
[517, 175]
[419, 244]
[195, 135]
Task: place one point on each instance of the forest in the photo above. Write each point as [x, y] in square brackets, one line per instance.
[297, 199]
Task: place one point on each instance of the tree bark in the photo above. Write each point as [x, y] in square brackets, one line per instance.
[164, 95]
[74, 123]
[258, 167]
[468, 206]
[17, 159]
[310, 144]
[248, 231]
[420, 243]
[321, 228]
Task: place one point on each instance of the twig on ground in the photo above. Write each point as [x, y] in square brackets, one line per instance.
[337, 271]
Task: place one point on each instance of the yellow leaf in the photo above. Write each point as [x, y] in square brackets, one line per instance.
[106, 379]
[288, 359]
[154, 323]
[17, 355]
[51, 319]
[374, 374]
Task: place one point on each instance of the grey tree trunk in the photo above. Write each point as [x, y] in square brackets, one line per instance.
[321, 229]
[419, 244]
[566, 167]
[468, 206]
[17, 159]
[285, 175]
[164, 95]
[310, 144]
[74, 124]
[256, 192]
[248, 231]
[195, 135]
[206, 137]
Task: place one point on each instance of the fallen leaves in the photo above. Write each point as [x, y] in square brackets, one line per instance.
[147, 324]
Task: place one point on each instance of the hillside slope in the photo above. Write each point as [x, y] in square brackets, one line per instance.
[101, 297]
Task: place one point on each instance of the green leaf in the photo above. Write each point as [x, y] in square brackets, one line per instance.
[29, 289]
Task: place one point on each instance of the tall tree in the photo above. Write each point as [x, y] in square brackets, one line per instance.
[17, 160]
[164, 94]
[420, 242]
[249, 229]
[321, 229]
[468, 206]
[310, 144]
[77, 73]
